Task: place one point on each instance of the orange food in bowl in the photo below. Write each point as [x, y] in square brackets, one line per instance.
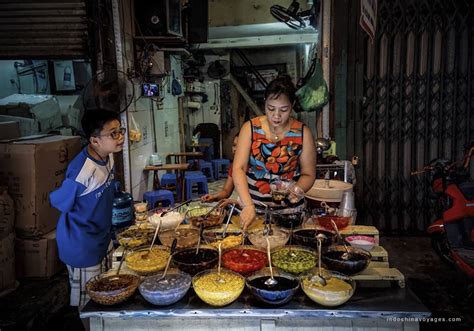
[325, 221]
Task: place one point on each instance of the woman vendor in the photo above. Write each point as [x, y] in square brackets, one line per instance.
[273, 147]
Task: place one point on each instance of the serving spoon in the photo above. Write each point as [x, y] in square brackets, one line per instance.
[219, 278]
[319, 238]
[145, 256]
[347, 254]
[173, 248]
[270, 281]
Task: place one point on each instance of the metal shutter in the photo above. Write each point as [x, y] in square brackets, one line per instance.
[32, 29]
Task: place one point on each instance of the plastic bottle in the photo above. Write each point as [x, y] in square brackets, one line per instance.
[122, 211]
[67, 79]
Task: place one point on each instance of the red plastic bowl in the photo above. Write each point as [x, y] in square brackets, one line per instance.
[325, 221]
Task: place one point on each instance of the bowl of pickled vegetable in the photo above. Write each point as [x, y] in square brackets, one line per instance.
[111, 290]
[336, 258]
[294, 259]
[277, 239]
[244, 259]
[337, 290]
[307, 237]
[188, 261]
[146, 262]
[214, 236]
[186, 235]
[277, 294]
[135, 236]
[165, 291]
[218, 289]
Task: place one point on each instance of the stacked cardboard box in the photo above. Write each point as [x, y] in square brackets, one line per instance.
[32, 167]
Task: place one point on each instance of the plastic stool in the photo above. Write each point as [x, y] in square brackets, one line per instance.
[220, 167]
[204, 165]
[170, 180]
[153, 197]
[200, 180]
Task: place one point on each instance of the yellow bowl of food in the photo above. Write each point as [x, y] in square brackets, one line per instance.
[145, 262]
[218, 290]
[232, 238]
[338, 289]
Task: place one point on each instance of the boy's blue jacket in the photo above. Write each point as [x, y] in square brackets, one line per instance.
[85, 200]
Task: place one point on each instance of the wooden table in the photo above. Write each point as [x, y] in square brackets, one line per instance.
[178, 168]
[182, 156]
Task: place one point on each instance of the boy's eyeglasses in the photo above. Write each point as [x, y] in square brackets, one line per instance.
[115, 134]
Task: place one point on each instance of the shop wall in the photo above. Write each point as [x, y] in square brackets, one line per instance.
[231, 12]
[8, 73]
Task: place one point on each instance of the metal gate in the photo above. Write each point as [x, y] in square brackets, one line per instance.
[417, 105]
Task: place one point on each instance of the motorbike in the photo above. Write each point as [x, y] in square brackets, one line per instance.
[452, 234]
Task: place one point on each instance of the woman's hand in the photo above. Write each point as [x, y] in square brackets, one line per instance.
[247, 216]
[207, 198]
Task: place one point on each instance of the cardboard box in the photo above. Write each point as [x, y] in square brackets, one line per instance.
[7, 262]
[9, 130]
[32, 167]
[37, 258]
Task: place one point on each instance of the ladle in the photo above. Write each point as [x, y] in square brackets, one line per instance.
[125, 251]
[173, 248]
[320, 237]
[219, 279]
[177, 207]
[267, 230]
[145, 256]
[228, 220]
[347, 254]
[201, 229]
[270, 281]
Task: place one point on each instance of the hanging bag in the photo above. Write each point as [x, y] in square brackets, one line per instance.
[313, 95]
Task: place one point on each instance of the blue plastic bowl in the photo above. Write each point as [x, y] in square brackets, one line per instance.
[273, 295]
[167, 291]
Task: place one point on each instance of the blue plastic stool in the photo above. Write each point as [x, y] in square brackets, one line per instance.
[200, 180]
[220, 167]
[170, 180]
[153, 197]
[204, 165]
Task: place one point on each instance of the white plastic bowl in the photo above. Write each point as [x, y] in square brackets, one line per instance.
[364, 242]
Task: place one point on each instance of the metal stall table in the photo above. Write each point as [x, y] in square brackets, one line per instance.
[369, 309]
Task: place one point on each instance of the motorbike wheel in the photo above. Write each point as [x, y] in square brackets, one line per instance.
[440, 244]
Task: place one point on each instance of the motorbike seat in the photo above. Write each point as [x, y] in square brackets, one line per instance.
[467, 255]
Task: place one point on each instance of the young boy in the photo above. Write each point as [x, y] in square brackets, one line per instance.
[85, 200]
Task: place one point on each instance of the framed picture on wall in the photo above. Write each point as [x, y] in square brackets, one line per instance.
[64, 76]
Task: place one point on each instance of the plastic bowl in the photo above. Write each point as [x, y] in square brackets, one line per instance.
[187, 260]
[307, 237]
[364, 242]
[195, 216]
[358, 261]
[213, 237]
[135, 236]
[111, 290]
[325, 221]
[294, 259]
[288, 221]
[166, 291]
[278, 239]
[168, 222]
[210, 289]
[338, 290]
[145, 263]
[244, 259]
[187, 236]
[273, 295]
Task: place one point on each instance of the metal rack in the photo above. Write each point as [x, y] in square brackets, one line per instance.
[336, 171]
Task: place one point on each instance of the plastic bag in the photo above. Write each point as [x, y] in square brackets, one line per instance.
[313, 95]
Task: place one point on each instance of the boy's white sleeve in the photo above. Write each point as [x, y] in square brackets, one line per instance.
[64, 197]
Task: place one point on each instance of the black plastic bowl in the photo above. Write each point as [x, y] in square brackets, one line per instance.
[186, 260]
[288, 221]
[307, 237]
[358, 259]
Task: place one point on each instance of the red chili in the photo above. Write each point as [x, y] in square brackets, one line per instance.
[243, 260]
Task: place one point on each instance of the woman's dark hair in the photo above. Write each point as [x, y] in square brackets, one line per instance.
[93, 121]
[281, 85]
